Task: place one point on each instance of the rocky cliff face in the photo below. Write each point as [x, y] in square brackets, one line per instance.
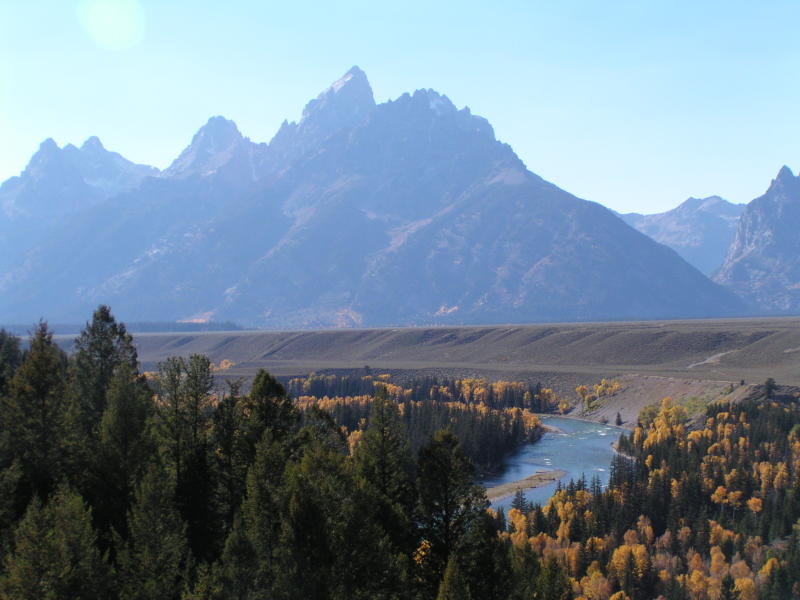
[407, 212]
[763, 262]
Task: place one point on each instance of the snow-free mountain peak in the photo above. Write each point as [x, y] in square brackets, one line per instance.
[699, 229]
[92, 144]
[213, 146]
[345, 102]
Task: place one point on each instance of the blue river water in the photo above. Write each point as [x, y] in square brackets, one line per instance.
[576, 447]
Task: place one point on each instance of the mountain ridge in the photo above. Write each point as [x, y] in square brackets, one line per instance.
[360, 214]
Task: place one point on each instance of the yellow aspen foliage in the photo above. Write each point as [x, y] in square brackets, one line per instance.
[720, 495]
[781, 476]
[719, 566]
[422, 552]
[694, 562]
[645, 529]
[620, 596]
[517, 519]
[768, 569]
[353, 439]
[735, 499]
[594, 585]
[746, 589]
[697, 584]
[755, 504]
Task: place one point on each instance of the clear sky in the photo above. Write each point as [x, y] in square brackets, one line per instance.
[636, 105]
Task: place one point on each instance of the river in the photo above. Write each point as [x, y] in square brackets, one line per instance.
[577, 447]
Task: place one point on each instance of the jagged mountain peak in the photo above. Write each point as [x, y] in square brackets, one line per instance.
[784, 174]
[354, 77]
[48, 145]
[92, 144]
[213, 146]
[784, 182]
[349, 97]
[217, 131]
[761, 264]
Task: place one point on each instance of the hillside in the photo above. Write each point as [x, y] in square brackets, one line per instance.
[559, 354]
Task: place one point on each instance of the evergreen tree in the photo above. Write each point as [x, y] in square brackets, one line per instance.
[383, 460]
[10, 359]
[262, 511]
[33, 414]
[10, 505]
[453, 586]
[230, 456]
[101, 347]
[124, 446]
[239, 575]
[449, 501]
[183, 416]
[328, 549]
[552, 583]
[268, 407]
[55, 554]
[155, 559]
[520, 502]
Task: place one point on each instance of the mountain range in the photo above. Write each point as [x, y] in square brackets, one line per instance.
[407, 212]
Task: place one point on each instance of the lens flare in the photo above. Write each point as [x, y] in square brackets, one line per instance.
[112, 24]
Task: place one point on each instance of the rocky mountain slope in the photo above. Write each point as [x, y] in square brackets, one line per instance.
[700, 229]
[763, 262]
[406, 212]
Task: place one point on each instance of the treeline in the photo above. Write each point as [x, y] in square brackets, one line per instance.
[487, 435]
[113, 486]
[701, 515]
[498, 394]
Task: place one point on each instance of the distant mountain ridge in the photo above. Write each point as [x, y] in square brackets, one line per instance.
[61, 180]
[763, 261]
[361, 214]
[700, 229]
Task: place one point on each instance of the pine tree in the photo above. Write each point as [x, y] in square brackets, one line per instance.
[124, 446]
[239, 574]
[382, 459]
[552, 583]
[184, 413]
[268, 407]
[453, 586]
[33, 414]
[448, 501]
[55, 554]
[101, 347]
[520, 502]
[10, 359]
[262, 511]
[229, 456]
[153, 562]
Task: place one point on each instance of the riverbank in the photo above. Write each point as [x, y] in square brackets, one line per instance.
[538, 479]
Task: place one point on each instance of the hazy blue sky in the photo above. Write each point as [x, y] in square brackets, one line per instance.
[636, 105]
